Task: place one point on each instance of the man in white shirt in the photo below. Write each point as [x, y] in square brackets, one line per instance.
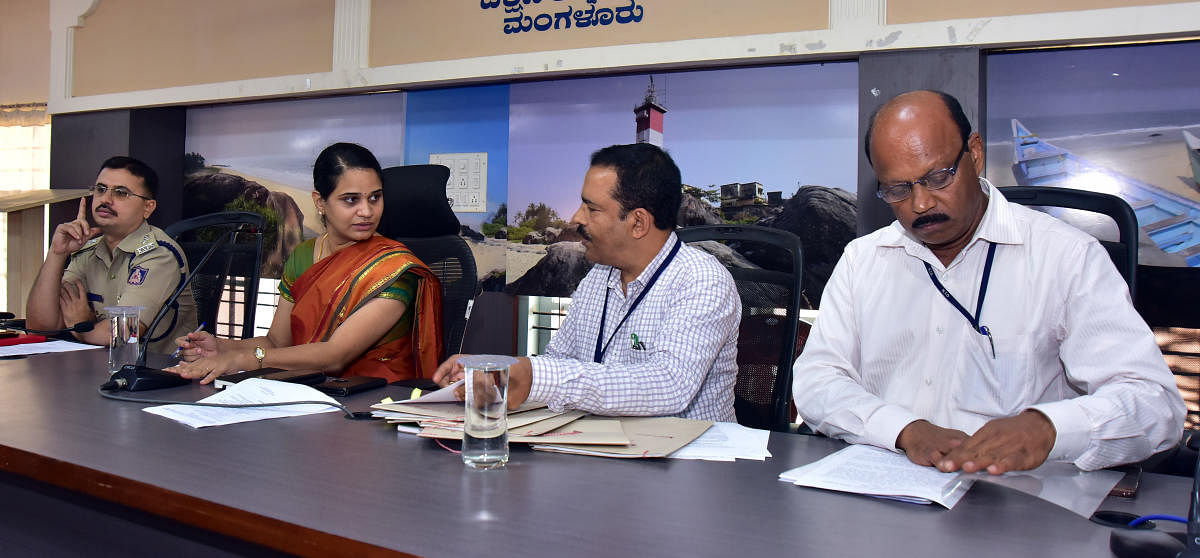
[652, 329]
[973, 333]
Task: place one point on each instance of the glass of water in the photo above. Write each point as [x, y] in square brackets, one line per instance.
[485, 426]
[123, 338]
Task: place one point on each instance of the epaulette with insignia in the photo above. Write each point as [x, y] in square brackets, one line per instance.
[147, 244]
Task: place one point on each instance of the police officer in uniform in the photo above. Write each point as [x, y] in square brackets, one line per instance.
[122, 261]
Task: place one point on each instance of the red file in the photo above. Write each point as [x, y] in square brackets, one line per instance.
[23, 338]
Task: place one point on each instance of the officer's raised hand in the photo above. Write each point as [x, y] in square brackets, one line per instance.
[72, 235]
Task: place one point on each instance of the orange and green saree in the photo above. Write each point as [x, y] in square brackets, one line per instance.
[329, 291]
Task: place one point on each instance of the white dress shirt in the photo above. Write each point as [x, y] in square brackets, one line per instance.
[687, 326]
[889, 349]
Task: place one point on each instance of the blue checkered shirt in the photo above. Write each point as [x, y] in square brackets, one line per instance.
[687, 327]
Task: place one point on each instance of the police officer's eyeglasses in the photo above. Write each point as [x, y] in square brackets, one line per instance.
[935, 180]
[120, 193]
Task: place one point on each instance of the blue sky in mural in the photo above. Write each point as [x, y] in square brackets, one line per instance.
[279, 140]
[782, 126]
[1121, 109]
[462, 120]
[1061, 93]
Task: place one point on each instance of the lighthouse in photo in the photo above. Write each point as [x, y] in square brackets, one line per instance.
[649, 116]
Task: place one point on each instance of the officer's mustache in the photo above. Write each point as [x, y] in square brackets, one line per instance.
[583, 232]
[929, 220]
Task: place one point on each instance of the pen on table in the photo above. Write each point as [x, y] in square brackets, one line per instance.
[197, 330]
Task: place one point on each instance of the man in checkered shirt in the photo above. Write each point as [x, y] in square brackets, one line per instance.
[652, 329]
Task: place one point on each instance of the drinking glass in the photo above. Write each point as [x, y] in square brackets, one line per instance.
[123, 339]
[485, 426]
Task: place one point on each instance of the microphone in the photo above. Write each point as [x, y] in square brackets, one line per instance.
[187, 280]
[1150, 544]
[134, 377]
[139, 377]
[1193, 524]
[19, 325]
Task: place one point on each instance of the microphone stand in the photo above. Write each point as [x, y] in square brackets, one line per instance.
[139, 377]
[1193, 525]
[1153, 544]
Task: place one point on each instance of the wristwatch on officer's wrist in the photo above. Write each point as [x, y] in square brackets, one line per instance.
[260, 354]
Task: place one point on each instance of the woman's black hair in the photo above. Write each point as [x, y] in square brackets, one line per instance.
[336, 160]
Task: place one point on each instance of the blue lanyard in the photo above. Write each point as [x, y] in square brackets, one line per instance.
[983, 283]
[603, 348]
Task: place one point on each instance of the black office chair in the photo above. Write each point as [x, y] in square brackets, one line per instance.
[767, 266]
[235, 262]
[416, 212]
[450, 258]
[1124, 253]
[415, 203]
[1170, 304]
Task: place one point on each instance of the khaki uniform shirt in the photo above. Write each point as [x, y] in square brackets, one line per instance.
[146, 268]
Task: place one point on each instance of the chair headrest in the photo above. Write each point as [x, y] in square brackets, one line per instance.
[414, 202]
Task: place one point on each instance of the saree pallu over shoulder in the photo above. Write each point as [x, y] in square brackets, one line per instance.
[332, 289]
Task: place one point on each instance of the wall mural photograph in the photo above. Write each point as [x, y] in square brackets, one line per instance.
[258, 157]
[774, 146]
[1121, 120]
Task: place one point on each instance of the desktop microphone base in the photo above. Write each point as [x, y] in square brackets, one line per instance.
[132, 377]
[1146, 544]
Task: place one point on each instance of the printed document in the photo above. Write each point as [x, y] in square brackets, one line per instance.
[873, 471]
[727, 441]
[44, 347]
[251, 390]
[878, 472]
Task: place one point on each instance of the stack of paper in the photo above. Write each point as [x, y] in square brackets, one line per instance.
[250, 391]
[648, 437]
[727, 441]
[590, 431]
[45, 347]
[440, 415]
[878, 472]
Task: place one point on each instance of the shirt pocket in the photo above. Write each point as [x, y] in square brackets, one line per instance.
[995, 387]
[630, 355]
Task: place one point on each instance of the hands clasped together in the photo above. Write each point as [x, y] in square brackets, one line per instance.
[1013, 443]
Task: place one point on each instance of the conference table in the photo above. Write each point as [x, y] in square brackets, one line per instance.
[84, 475]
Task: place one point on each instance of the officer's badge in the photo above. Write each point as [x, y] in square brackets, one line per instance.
[147, 244]
[137, 275]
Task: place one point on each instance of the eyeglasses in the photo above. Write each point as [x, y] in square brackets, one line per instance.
[935, 180]
[120, 193]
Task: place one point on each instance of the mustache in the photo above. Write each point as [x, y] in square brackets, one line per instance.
[583, 232]
[105, 207]
[929, 219]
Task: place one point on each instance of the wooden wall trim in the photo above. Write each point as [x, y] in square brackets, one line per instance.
[855, 28]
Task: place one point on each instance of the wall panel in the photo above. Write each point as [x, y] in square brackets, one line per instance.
[127, 46]
[915, 11]
[408, 31]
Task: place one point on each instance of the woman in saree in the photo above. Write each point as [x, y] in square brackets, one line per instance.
[352, 303]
